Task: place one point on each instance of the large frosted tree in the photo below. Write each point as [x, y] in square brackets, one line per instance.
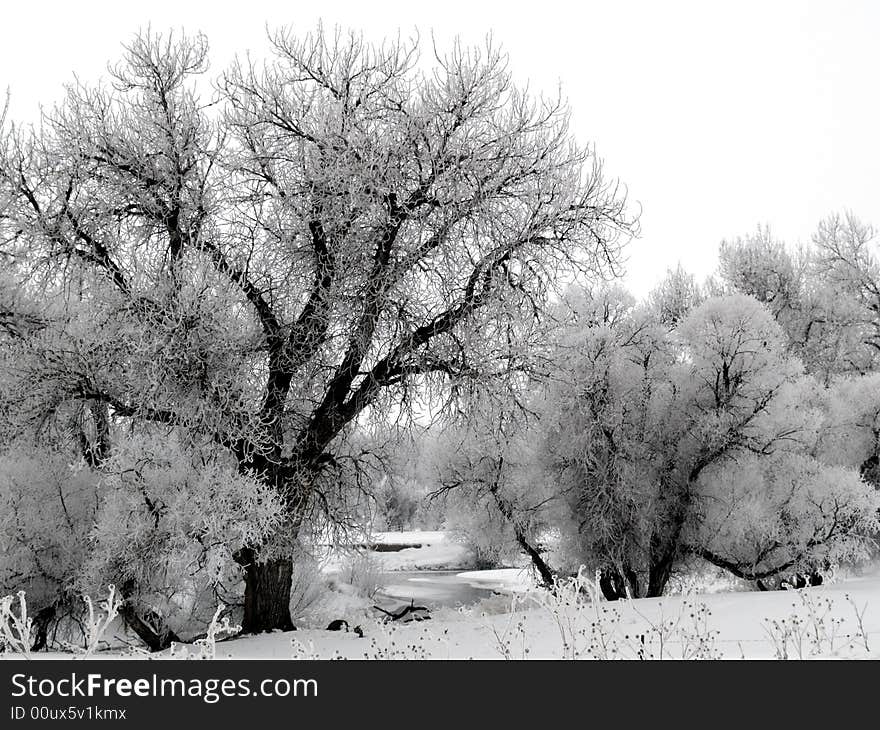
[258, 270]
[699, 439]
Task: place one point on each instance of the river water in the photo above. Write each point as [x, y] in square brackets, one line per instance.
[431, 588]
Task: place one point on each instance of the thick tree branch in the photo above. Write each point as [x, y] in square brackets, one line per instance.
[738, 569]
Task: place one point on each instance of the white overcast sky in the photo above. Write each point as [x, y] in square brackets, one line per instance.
[716, 116]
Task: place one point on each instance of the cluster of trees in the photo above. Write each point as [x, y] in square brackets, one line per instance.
[734, 421]
[211, 295]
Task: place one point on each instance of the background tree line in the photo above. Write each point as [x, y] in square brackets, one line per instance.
[733, 421]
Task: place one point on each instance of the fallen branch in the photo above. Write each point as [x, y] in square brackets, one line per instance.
[404, 611]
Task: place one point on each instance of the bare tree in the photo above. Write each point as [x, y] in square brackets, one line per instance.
[333, 230]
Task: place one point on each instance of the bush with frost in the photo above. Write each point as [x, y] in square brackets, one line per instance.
[48, 505]
[169, 522]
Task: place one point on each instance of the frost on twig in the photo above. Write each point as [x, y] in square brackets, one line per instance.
[206, 646]
[15, 627]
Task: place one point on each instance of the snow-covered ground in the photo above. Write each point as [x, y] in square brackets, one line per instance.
[510, 580]
[511, 618]
[820, 622]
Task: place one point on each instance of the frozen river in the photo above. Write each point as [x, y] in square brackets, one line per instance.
[431, 588]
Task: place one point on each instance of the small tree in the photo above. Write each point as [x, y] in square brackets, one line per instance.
[676, 295]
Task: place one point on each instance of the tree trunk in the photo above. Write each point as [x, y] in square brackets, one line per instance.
[611, 584]
[42, 621]
[658, 573]
[547, 576]
[870, 470]
[266, 593]
[632, 581]
[664, 547]
[619, 583]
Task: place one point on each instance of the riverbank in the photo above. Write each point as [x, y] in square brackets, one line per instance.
[490, 614]
[420, 550]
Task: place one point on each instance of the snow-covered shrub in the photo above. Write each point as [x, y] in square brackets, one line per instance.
[96, 622]
[785, 510]
[160, 520]
[490, 486]
[480, 527]
[364, 573]
[817, 628]
[403, 483]
[206, 646]
[397, 503]
[15, 625]
[168, 525]
[48, 506]
[701, 437]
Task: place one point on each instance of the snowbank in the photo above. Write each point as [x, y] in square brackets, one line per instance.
[503, 579]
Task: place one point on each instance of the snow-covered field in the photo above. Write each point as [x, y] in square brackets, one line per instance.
[820, 621]
[814, 622]
[512, 619]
